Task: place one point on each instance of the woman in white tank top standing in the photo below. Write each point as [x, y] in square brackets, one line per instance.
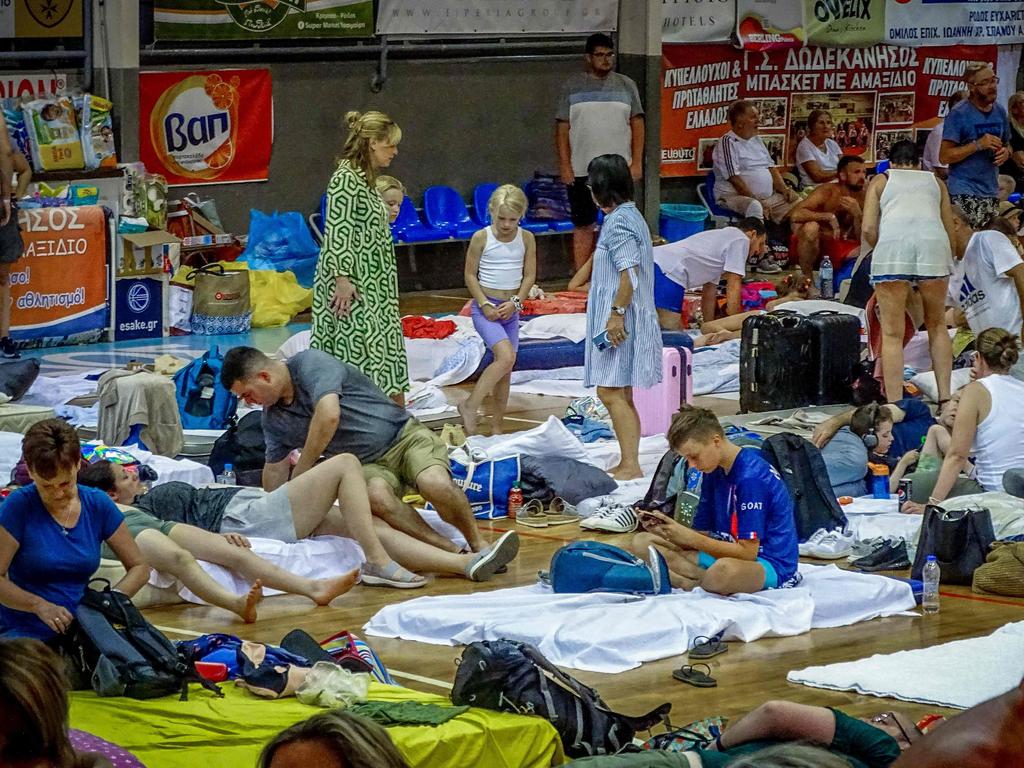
[988, 420]
[501, 266]
[908, 222]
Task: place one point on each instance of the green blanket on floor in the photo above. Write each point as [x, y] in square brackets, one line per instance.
[230, 732]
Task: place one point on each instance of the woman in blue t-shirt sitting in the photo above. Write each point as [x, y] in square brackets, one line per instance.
[50, 537]
[749, 540]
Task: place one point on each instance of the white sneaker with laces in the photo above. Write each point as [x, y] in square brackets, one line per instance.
[616, 518]
[591, 506]
[807, 548]
[834, 545]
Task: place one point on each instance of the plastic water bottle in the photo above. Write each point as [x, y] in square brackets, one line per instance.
[825, 275]
[227, 477]
[930, 575]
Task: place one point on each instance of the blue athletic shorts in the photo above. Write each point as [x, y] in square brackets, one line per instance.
[771, 578]
[668, 294]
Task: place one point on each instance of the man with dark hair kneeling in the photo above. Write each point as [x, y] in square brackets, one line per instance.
[750, 542]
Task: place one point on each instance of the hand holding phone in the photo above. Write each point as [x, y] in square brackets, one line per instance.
[601, 341]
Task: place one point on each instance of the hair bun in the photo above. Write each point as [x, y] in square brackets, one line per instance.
[1011, 352]
[352, 118]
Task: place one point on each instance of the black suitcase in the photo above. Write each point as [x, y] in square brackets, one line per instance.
[835, 353]
[775, 362]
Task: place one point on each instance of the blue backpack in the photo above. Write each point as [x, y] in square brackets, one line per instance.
[203, 402]
[593, 566]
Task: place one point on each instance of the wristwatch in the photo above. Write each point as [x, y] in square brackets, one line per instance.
[620, 311]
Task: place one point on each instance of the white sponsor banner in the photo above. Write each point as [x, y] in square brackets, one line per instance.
[32, 85]
[949, 22]
[496, 17]
[697, 21]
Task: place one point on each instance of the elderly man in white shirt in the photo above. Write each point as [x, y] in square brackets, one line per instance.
[746, 178]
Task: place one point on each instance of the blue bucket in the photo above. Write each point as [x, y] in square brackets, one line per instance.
[680, 220]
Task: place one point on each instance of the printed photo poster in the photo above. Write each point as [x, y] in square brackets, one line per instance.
[206, 127]
[867, 91]
[261, 19]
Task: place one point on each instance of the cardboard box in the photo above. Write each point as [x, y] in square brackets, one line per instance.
[145, 253]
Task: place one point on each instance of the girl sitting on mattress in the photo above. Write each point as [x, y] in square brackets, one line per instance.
[501, 266]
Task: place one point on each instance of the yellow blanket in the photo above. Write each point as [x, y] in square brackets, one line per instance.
[230, 732]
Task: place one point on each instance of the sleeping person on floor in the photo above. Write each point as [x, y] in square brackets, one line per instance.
[744, 533]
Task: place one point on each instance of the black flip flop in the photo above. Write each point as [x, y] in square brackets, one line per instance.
[690, 674]
[706, 647]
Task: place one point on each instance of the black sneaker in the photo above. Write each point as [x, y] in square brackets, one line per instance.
[8, 348]
[892, 556]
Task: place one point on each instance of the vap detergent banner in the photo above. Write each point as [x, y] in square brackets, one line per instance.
[206, 127]
[876, 96]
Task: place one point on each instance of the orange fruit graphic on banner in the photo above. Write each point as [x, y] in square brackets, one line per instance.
[194, 126]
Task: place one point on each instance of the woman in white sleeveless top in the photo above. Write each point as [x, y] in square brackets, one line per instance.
[908, 221]
[988, 420]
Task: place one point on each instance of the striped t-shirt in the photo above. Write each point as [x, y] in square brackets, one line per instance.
[598, 110]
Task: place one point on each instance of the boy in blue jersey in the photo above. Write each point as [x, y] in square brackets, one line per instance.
[744, 535]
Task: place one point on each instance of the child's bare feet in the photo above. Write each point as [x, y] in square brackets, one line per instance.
[326, 590]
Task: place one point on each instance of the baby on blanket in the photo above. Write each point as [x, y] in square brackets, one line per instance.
[745, 508]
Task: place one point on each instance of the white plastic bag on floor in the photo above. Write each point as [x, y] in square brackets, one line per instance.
[328, 685]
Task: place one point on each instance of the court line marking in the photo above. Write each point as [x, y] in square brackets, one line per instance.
[981, 599]
[394, 672]
[527, 421]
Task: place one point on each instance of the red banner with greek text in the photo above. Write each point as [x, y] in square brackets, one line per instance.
[876, 96]
[208, 127]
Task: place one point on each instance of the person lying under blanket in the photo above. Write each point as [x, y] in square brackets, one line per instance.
[301, 508]
[745, 508]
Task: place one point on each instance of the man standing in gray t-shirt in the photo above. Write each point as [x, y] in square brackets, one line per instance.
[599, 113]
[323, 406]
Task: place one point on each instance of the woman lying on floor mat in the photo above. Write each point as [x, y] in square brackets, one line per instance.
[236, 513]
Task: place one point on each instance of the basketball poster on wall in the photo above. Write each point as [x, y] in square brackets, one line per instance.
[206, 127]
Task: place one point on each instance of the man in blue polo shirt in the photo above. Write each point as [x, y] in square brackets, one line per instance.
[749, 540]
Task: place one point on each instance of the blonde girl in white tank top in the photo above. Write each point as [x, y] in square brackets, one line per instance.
[501, 267]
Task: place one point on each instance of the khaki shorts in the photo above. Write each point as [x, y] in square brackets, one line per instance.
[416, 449]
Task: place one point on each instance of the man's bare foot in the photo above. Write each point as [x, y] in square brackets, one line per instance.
[626, 472]
[468, 418]
[250, 600]
[325, 590]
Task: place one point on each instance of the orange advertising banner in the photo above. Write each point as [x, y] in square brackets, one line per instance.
[59, 286]
[206, 127]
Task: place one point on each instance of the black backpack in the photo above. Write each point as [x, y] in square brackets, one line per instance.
[803, 470]
[510, 676]
[657, 497]
[116, 651]
[244, 448]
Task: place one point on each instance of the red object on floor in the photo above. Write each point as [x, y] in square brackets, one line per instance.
[213, 671]
[414, 327]
[558, 303]
[837, 250]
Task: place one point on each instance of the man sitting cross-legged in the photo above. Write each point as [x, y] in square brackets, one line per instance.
[316, 403]
[750, 542]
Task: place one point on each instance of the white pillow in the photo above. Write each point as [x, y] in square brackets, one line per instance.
[549, 439]
[568, 326]
[926, 383]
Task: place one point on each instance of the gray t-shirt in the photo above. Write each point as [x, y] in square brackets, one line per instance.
[598, 110]
[183, 503]
[370, 421]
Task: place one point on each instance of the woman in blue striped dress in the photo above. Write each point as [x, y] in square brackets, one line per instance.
[621, 302]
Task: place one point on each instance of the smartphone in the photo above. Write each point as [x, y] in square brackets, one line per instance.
[601, 341]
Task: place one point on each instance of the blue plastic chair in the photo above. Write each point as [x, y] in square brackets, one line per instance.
[722, 217]
[882, 166]
[445, 210]
[481, 196]
[1014, 198]
[408, 228]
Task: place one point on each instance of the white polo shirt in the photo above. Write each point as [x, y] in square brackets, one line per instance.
[746, 158]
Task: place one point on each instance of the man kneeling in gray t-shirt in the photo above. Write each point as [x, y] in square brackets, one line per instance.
[316, 403]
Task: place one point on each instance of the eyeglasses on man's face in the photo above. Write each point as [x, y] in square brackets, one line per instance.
[602, 55]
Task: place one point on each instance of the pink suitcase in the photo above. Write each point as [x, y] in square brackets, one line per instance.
[658, 404]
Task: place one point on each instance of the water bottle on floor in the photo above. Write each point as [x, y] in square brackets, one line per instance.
[930, 575]
[825, 275]
[227, 477]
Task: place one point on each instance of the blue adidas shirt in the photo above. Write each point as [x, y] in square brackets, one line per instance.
[751, 498]
[48, 563]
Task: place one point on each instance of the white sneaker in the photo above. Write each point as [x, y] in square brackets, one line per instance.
[812, 543]
[591, 506]
[616, 518]
[834, 545]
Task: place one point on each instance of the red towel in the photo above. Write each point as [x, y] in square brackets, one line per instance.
[414, 327]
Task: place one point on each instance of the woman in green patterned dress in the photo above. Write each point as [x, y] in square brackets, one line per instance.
[355, 293]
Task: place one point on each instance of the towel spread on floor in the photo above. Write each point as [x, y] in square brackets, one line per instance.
[959, 674]
[613, 633]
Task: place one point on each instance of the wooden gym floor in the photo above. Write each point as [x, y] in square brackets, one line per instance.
[748, 674]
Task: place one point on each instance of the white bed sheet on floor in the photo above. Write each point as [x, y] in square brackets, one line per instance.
[613, 633]
[960, 674]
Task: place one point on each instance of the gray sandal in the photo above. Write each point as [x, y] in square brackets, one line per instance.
[391, 575]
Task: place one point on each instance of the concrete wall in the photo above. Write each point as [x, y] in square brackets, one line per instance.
[463, 123]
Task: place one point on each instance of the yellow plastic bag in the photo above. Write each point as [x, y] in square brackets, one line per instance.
[276, 297]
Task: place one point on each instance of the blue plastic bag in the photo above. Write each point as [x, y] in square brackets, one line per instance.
[281, 242]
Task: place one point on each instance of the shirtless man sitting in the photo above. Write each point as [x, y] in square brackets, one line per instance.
[831, 211]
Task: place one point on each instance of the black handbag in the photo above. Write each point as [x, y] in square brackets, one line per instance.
[959, 539]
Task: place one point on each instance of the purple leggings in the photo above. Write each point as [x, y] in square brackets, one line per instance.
[493, 331]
